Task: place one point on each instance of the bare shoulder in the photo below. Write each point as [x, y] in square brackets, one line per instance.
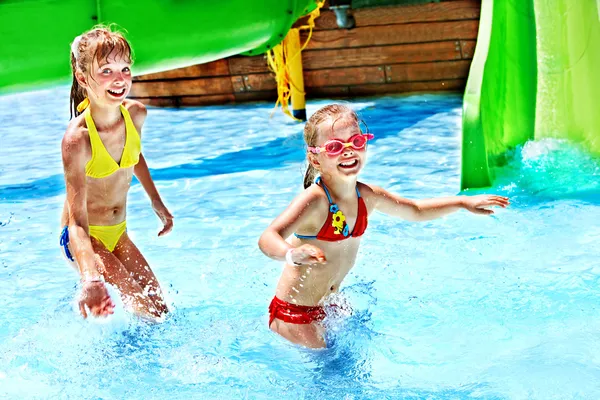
[379, 198]
[314, 201]
[370, 193]
[315, 195]
[137, 111]
[366, 189]
[308, 209]
[76, 138]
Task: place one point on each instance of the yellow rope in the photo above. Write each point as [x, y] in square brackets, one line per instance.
[278, 60]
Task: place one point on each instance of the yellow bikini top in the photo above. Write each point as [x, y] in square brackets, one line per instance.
[102, 164]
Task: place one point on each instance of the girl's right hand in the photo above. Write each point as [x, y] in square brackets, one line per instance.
[307, 254]
[95, 296]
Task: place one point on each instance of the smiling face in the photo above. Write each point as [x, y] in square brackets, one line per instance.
[109, 79]
[350, 161]
[101, 63]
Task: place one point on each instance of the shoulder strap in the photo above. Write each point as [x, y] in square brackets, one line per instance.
[133, 143]
[95, 140]
[126, 115]
[129, 125]
[319, 180]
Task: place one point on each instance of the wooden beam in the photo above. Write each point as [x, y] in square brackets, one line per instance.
[187, 87]
[270, 95]
[427, 71]
[241, 65]
[344, 76]
[260, 82]
[186, 101]
[215, 68]
[381, 55]
[317, 78]
[467, 48]
[429, 12]
[393, 34]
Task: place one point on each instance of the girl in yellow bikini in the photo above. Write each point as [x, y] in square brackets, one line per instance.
[101, 151]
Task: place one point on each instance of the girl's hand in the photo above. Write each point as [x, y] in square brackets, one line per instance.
[165, 216]
[479, 204]
[95, 296]
[307, 254]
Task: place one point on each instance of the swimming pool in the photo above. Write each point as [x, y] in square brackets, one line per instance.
[463, 307]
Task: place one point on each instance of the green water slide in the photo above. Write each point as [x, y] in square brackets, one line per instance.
[35, 35]
[535, 74]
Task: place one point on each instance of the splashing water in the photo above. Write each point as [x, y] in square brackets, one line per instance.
[462, 307]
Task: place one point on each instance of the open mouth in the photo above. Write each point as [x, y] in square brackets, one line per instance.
[116, 93]
[349, 164]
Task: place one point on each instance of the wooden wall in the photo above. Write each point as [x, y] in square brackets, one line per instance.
[416, 48]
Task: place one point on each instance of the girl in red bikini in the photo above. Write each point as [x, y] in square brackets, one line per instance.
[328, 219]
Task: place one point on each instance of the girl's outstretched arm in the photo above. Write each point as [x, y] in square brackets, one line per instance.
[138, 114]
[272, 242]
[428, 209]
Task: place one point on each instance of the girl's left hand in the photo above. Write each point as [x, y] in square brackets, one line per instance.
[479, 204]
[165, 216]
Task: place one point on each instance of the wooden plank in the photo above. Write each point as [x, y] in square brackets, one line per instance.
[444, 11]
[381, 55]
[393, 34]
[241, 65]
[215, 68]
[187, 87]
[270, 95]
[403, 87]
[427, 71]
[186, 101]
[156, 101]
[343, 76]
[467, 48]
[327, 91]
[429, 12]
[260, 82]
[237, 82]
[318, 78]
[326, 20]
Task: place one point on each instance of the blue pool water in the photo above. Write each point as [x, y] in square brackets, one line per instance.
[501, 307]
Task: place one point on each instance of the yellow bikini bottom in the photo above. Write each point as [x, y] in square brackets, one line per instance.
[108, 235]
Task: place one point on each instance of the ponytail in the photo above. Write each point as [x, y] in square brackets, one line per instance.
[309, 177]
[77, 92]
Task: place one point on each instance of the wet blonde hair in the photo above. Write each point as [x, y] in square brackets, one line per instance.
[95, 44]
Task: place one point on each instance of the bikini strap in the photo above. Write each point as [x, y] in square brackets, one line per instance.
[317, 181]
[332, 206]
[95, 140]
[126, 116]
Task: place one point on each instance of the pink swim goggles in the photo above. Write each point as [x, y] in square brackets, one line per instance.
[334, 147]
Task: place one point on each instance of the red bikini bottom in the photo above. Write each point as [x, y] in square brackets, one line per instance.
[295, 314]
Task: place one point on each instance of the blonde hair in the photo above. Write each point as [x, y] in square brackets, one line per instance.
[311, 131]
[95, 44]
